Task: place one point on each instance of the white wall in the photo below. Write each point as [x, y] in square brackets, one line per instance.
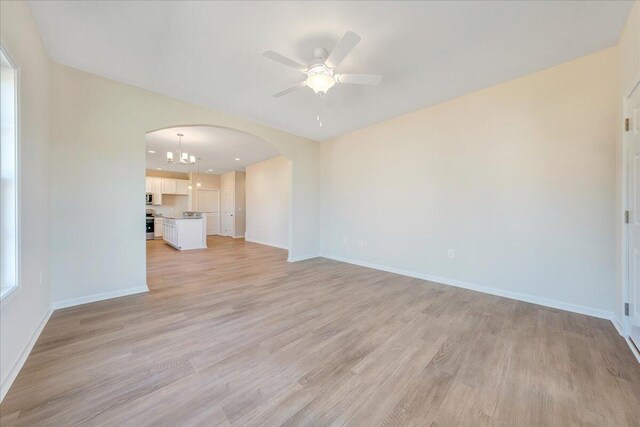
[268, 187]
[24, 312]
[517, 179]
[98, 131]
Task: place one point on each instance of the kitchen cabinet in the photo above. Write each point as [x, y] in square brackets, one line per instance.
[148, 184]
[175, 186]
[169, 186]
[182, 187]
[185, 233]
[158, 227]
[156, 189]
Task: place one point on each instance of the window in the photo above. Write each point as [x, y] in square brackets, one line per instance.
[8, 177]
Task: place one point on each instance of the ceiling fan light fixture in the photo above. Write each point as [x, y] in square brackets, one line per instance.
[320, 82]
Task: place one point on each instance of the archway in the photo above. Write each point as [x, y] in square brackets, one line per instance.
[239, 184]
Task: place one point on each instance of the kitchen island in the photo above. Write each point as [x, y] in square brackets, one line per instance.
[185, 233]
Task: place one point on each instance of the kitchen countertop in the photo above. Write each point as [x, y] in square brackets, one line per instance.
[174, 218]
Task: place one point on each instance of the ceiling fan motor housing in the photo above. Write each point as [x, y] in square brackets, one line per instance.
[320, 53]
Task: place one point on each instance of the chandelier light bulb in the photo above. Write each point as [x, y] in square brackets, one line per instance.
[169, 157]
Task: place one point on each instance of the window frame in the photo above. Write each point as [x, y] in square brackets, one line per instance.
[13, 291]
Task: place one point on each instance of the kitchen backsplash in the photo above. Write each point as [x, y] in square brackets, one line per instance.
[171, 205]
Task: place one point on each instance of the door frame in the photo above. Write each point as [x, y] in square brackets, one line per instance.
[623, 325]
[219, 202]
[233, 209]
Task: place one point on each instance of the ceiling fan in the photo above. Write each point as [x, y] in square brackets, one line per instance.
[320, 72]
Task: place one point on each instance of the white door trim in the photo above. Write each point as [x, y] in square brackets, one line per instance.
[624, 274]
[232, 209]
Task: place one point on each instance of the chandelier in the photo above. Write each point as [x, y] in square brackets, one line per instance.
[183, 157]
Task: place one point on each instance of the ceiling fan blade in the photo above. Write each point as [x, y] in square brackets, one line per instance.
[342, 49]
[284, 60]
[359, 79]
[290, 89]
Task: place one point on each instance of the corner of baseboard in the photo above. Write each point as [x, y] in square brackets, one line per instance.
[262, 242]
[617, 323]
[302, 257]
[6, 383]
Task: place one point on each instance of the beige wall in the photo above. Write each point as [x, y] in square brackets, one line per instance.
[24, 311]
[228, 180]
[167, 174]
[629, 73]
[517, 179]
[208, 181]
[268, 186]
[98, 130]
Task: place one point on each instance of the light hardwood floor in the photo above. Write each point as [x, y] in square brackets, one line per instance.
[235, 335]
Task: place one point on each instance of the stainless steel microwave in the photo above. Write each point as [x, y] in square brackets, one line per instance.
[149, 198]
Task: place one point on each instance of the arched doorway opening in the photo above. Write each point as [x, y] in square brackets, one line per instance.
[236, 182]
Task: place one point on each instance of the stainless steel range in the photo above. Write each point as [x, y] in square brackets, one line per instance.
[151, 215]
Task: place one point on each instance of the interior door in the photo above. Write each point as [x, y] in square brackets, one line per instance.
[633, 108]
[228, 208]
[208, 202]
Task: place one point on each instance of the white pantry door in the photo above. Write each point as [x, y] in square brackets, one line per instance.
[633, 135]
[228, 209]
[208, 202]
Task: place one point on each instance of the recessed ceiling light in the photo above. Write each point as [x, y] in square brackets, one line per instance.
[209, 170]
[152, 152]
[237, 158]
[159, 169]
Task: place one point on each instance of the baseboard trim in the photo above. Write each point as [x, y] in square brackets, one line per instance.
[633, 348]
[589, 311]
[302, 257]
[262, 242]
[15, 369]
[617, 323]
[239, 237]
[99, 297]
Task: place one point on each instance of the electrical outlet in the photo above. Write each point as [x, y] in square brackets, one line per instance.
[451, 253]
[360, 242]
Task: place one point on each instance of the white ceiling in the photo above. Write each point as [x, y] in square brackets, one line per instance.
[209, 53]
[217, 148]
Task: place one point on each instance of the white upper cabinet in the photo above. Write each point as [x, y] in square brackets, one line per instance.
[159, 186]
[156, 189]
[182, 186]
[169, 186]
